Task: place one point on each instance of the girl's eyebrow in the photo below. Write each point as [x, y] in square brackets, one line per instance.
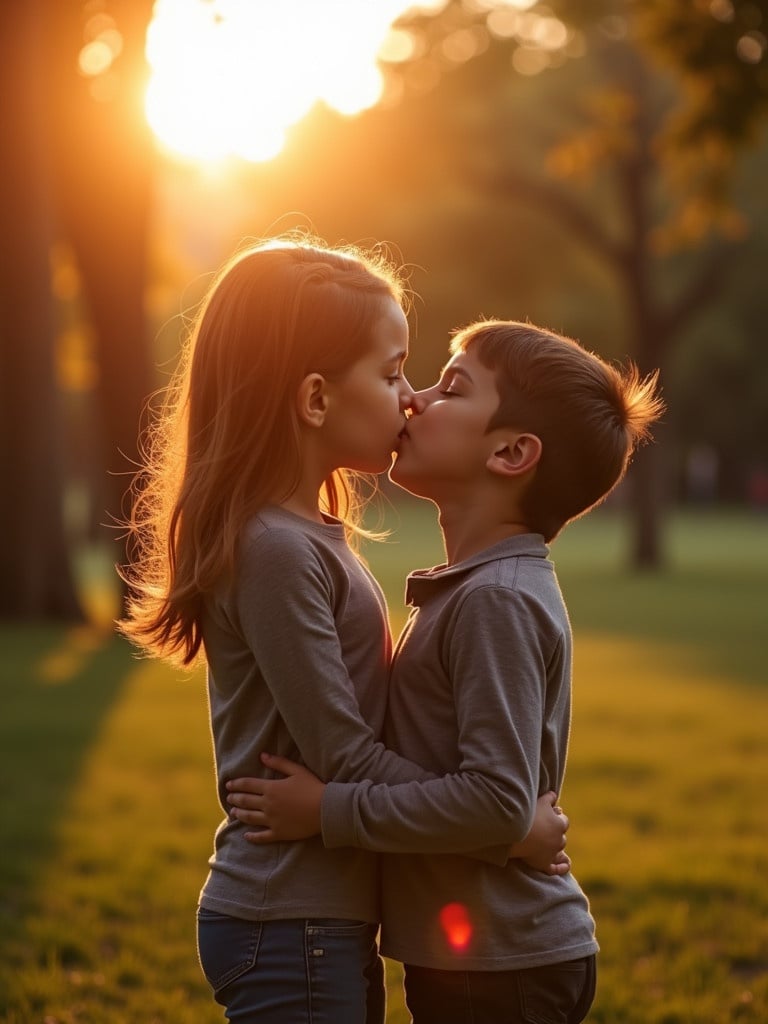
[398, 357]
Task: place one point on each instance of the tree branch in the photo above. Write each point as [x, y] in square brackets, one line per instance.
[556, 203]
[700, 291]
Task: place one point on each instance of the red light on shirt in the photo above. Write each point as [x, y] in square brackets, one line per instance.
[456, 925]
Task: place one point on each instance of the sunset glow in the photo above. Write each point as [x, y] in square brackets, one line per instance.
[230, 77]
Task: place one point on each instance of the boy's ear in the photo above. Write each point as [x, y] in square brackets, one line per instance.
[312, 400]
[515, 454]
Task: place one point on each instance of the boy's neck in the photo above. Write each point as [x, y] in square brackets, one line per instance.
[466, 532]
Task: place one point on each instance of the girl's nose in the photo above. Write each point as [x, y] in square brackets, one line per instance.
[406, 394]
[420, 400]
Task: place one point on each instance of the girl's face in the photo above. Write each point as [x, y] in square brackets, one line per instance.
[366, 411]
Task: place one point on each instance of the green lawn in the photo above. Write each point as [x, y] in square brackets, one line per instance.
[107, 804]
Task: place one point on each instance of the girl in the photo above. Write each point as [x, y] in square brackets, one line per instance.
[290, 387]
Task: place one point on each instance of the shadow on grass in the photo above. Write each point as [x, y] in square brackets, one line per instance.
[56, 688]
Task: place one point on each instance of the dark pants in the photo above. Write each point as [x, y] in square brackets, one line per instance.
[554, 994]
[319, 971]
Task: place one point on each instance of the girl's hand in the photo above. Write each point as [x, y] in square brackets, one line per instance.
[284, 809]
[544, 846]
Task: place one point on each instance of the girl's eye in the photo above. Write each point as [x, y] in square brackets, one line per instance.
[395, 378]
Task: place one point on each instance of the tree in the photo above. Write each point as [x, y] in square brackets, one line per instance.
[76, 167]
[35, 575]
[599, 175]
[102, 162]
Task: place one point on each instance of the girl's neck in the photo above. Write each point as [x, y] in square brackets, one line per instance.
[301, 506]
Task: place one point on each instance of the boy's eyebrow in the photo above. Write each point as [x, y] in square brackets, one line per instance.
[459, 371]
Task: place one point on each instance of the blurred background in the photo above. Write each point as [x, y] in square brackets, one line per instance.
[596, 166]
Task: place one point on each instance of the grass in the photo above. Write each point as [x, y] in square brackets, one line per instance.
[107, 806]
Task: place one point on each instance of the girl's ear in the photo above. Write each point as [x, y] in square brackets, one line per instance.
[312, 400]
[515, 454]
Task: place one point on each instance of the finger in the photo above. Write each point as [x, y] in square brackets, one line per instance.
[258, 838]
[250, 801]
[245, 785]
[557, 870]
[248, 817]
[281, 764]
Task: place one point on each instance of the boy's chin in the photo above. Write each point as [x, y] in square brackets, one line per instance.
[400, 476]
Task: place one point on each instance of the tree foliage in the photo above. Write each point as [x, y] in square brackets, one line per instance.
[635, 165]
[713, 54]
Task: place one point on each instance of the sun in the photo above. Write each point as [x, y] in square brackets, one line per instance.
[229, 77]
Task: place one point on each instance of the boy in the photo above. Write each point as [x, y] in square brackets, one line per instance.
[524, 432]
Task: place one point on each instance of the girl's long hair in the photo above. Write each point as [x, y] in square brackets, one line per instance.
[226, 439]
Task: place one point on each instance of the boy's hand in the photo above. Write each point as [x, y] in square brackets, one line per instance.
[544, 846]
[284, 809]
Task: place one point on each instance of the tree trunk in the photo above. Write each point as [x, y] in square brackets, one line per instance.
[645, 480]
[36, 579]
[103, 164]
[635, 173]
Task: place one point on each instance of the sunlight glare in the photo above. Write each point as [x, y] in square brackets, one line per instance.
[229, 77]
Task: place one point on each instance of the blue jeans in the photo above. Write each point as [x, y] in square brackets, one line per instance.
[555, 994]
[318, 971]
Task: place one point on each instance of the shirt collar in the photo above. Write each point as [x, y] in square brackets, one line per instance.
[422, 582]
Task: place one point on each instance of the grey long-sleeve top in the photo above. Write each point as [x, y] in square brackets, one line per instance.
[298, 649]
[480, 692]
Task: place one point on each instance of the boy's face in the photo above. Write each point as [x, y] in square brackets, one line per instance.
[445, 448]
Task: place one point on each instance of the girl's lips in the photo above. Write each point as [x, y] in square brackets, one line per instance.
[402, 436]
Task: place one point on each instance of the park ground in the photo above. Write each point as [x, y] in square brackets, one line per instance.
[107, 805]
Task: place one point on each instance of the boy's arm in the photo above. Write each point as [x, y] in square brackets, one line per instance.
[293, 635]
[500, 688]
[497, 653]
[290, 809]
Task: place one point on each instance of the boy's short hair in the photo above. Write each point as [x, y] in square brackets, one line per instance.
[588, 414]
